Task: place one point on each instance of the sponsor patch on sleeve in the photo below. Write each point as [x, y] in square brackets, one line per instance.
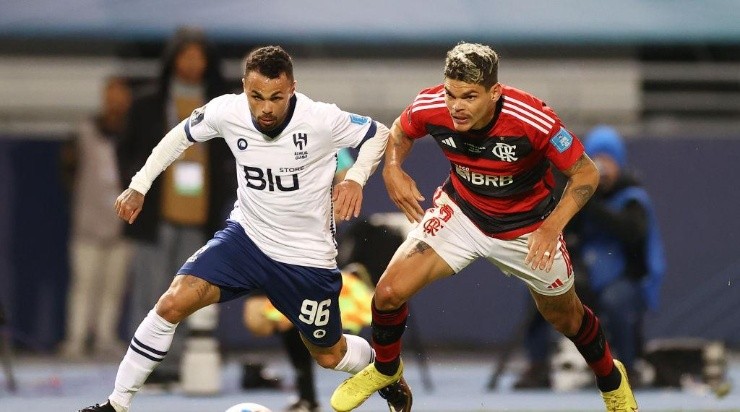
[357, 119]
[562, 140]
[197, 116]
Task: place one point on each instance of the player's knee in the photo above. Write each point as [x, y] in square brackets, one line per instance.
[171, 308]
[387, 298]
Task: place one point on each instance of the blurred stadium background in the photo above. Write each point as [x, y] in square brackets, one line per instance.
[665, 73]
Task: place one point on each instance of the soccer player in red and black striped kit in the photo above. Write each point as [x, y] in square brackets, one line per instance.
[497, 204]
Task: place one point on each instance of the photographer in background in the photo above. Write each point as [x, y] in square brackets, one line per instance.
[620, 246]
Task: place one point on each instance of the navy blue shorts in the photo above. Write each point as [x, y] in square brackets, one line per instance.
[308, 296]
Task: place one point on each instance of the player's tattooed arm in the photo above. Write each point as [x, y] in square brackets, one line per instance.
[580, 192]
[583, 178]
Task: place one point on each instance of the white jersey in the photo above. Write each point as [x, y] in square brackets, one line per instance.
[285, 183]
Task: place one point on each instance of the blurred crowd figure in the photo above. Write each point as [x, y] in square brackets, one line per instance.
[618, 254]
[189, 203]
[99, 254]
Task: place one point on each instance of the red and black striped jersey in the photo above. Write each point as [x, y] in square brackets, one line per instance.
[500, 175]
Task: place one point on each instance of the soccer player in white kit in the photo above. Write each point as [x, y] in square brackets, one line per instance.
[280, 234]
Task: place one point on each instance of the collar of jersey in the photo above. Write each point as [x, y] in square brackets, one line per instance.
[276, 131]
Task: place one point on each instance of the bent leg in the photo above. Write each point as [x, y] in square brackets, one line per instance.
[186, 294]
[350, 354]
[579, 324]
[414, 266]
[153, 338]
[417, 263]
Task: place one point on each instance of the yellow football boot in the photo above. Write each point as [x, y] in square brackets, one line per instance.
[356, 389]
[620, 399]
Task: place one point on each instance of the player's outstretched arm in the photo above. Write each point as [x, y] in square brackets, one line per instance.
[131, 201]
[401, 187]
[164, 153]
[348, 194]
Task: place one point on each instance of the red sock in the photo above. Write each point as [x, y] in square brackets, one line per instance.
[388, 328]
[592, 344]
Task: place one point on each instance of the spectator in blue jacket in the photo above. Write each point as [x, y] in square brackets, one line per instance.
[620, 245]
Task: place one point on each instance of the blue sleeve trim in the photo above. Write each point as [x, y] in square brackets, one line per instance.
[187, 132]
[370, 133]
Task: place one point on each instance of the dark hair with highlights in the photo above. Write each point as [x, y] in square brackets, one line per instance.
[472, 63]
[269, 61]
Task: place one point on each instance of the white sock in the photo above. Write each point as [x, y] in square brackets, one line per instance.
[359, 354]
[149, 346]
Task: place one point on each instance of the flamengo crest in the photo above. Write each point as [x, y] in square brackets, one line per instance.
[505, 152]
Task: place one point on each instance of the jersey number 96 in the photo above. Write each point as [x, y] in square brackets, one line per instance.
[315, 313]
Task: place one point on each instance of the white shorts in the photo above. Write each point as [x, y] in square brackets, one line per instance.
[459, 242]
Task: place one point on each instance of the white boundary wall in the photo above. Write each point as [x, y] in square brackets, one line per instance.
[48, 95]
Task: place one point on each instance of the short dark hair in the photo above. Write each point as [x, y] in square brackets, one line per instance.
[472, 63]
[269, 61]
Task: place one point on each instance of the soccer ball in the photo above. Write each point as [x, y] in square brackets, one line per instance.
[248, 407]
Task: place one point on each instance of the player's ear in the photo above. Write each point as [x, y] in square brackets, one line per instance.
[292, 88]
[244, 84]
[496, 91]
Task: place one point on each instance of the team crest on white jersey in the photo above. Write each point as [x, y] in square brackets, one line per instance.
[300, 140]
